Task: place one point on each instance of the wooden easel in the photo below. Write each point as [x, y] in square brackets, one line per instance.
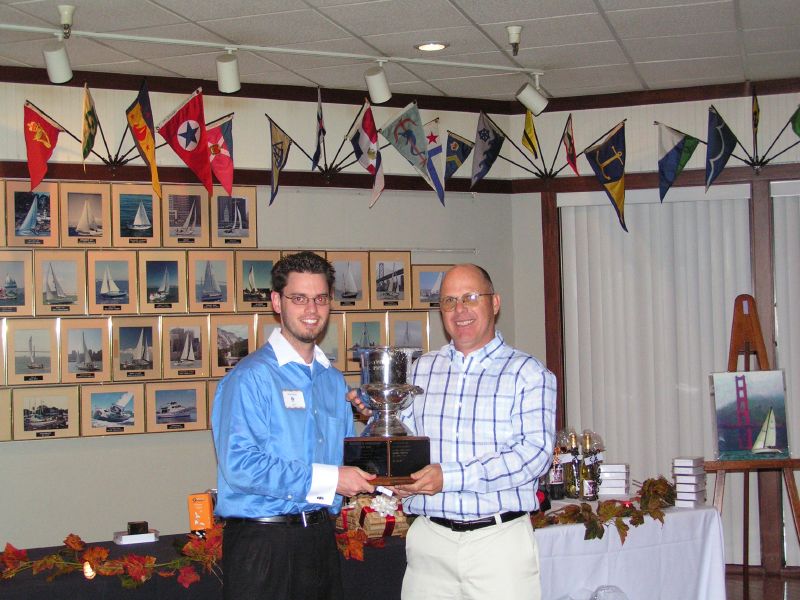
[747, 340]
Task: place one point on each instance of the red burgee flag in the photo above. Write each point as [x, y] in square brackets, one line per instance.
[220, 149]
[41, 137]
[185, 131]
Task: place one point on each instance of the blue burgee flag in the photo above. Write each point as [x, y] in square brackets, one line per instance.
[458, 149]
[674, 151]
[607, 160]
[434, 152]
[488, 142]
[720, 146]
[320, 133]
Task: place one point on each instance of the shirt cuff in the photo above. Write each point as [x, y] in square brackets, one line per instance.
[452, 477]
[323, 484]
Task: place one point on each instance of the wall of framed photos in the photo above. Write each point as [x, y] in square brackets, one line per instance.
[120, 310]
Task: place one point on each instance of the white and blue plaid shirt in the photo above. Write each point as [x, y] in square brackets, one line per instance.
[490, 417]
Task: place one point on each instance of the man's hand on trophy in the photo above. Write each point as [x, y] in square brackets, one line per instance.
[353, 480]
[428, 480]
[354, 397]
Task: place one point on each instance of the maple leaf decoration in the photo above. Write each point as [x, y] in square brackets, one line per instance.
[187, 576]
[73, 542]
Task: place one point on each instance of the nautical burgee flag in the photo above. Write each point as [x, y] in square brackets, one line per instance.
[458, 150]
[140, 122]
[720, 145]
[320, 133]
[89, 129]
[568, 139]
[281, 144]
[220, 149]
[41, 137]
[607, 160]
[364, 138]
[674, 151]
[529, 138]
[488, 142]
[406, 133]
[795, 120]
[434, 154]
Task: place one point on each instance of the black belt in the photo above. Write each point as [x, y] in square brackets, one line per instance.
[478, 523]
[309, 517]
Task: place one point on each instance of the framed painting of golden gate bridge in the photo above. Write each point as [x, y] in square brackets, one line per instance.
[750, 415]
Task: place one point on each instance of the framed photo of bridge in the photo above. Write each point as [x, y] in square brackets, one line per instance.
[254, 279]
[45, 413]
[390, 283]
[85, 353]
[32, 217]
[233, 218]
[162, 281]
[32, 356]
[185, 347]
[426, 281]
[112, 409]
[351, 287]
[211, 281]
[136, 216]
[135, 349]
[113, 288]
[16, 278]
[85, 215]
[232, 338]
[176, 406]
[185, 216]
[60, 276]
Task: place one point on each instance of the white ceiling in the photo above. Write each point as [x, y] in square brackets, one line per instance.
[584, 46]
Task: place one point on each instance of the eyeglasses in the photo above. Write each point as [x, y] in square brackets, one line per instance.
[471, 299]
[300, 300]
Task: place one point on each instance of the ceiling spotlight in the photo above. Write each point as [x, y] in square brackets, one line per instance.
[377, 85]
[228, 81]
[513, 37]
[57, 62]
[66, 11]
[531, 98]
[432, 46]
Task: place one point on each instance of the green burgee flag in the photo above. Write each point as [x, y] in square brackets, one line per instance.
[796, 122]
[89, 122]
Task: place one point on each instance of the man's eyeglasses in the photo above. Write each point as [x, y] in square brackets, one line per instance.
[471, 299]
[300, 300]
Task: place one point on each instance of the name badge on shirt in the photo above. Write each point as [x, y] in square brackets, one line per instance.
[293, 399]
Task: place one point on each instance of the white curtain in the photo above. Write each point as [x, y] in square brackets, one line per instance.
[786, 224]
[647, 318]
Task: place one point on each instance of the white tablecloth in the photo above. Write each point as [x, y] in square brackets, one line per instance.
[681, 560]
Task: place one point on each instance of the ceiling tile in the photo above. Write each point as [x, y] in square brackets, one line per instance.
[773, 65]
[204, 65]
[415, 87]
[300, 61]
[274, 30]
[620, 75]
[205, 10]
[344, 76]
[278, 78]
[131, 67]
[102, 16]
[633, 4]
[682, 46]
[775, 13]
[461, 40]
[673, 20]
[182, 31]
[573, 55]
[661, 74]
[500, 11]
[476, 87]
[451, 72]
[397, 16]
[11, 16]
[774, 39]
[81, 51]
[579, 29]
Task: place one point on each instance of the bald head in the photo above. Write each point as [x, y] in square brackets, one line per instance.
[470, 324]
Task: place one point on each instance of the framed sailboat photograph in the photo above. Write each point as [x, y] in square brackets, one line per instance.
[363, 330]
[185, 216]
[332, 343]
[32, 217]
[750, 415]
[162, 281]
[112, 409]
[409, 330]
[233, 218]
[176, 406]
[211, 282]
[60, 277]
[136, 216]
[351, 287]
[85, 215]
[5, 415]
[185, 347]
[16, 278]
[112, 282]
[135, 349]
[254, 279]
[32, 356]
[390, 283]
[45, 412]
[85, 353]
[232, 338]
[426, 281]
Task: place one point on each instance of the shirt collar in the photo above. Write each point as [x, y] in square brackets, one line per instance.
[482, 355]
[285, 352]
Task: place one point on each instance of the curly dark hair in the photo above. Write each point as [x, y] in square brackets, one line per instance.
[302, 262]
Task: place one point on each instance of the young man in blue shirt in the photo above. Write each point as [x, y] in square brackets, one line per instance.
[278, 423]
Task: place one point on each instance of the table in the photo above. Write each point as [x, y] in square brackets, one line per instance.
[681, 560]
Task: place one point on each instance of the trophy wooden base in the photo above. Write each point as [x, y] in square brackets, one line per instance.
[392, 459]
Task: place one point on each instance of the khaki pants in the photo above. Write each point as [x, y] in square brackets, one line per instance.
[500, 561]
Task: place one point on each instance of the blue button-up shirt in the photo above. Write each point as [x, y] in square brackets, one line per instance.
[490, 417]
[278, 428]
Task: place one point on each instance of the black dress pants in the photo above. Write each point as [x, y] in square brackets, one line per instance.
[278, 561]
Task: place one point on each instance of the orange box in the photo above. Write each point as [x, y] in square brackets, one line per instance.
[201, 513]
